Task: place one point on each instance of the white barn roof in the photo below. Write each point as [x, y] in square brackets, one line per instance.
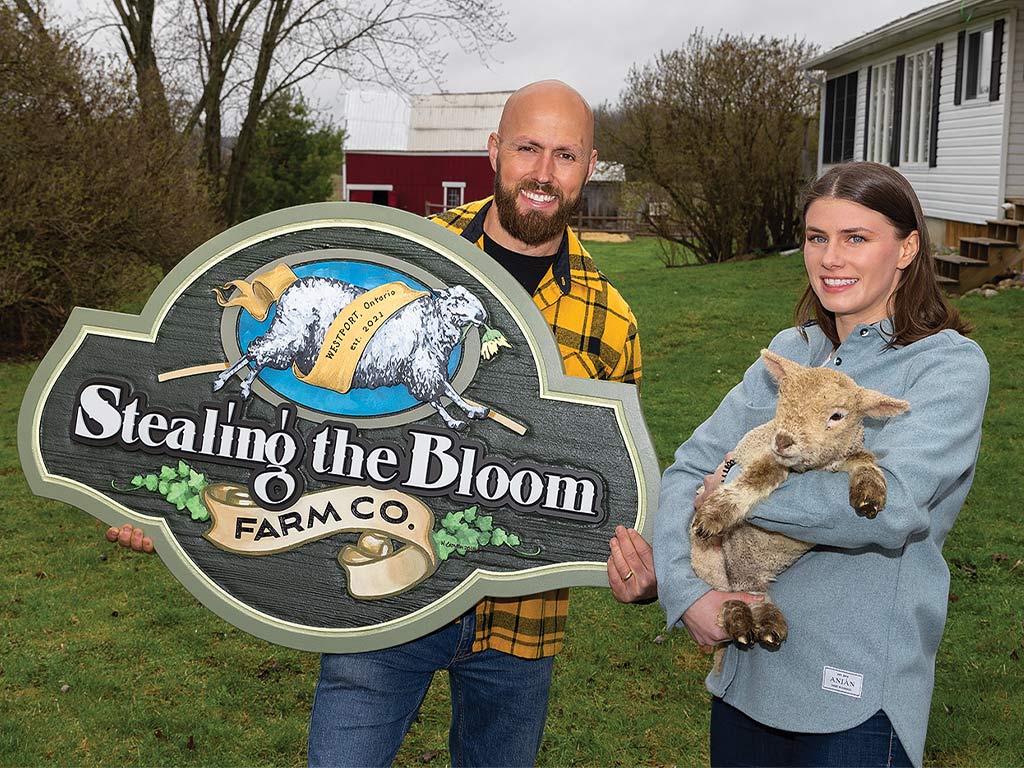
[376, 120]
[440, 122]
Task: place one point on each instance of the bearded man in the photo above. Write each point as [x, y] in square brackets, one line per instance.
[499, 655]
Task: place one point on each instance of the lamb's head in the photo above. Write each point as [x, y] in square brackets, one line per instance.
[821, 412]
[461, 306]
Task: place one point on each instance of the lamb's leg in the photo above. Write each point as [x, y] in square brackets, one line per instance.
[472, 411]
[867, 484]
[736, 618]
[770, 626]
[728, 505]
[223, 379]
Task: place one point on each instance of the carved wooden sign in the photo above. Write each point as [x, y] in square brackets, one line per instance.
[342, 425]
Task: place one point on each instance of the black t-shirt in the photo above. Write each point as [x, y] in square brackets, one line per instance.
[528, 270]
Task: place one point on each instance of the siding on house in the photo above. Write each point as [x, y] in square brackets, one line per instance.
[1015, 134]
[966, 184]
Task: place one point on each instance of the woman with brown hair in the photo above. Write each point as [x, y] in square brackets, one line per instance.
[866, 607]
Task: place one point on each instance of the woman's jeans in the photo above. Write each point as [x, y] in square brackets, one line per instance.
[737, 740]
[365, 702]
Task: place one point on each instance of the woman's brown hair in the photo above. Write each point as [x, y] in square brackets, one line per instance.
[917, 307]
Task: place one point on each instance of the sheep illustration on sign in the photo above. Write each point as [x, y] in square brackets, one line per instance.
[343, 427]
[339, 336]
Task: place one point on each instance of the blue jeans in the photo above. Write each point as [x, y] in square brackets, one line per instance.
[737, 740]
[365, 702]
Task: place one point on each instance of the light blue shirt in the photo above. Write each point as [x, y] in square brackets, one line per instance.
[866, 607]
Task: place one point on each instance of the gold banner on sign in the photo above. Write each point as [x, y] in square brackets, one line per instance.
[258, 295]
[374, 567]
[351, 331]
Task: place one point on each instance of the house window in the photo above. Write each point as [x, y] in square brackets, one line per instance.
[881, 98]
[916, 118]
[454, 193]
[978, 70]
[840, 115]
[979, 60]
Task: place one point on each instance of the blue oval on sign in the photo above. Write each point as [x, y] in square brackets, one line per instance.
[382, 401]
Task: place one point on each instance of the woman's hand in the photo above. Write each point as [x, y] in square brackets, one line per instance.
[131, 538]
[712, 481]
[631, 567]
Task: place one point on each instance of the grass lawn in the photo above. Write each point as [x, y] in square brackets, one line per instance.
[106, 660]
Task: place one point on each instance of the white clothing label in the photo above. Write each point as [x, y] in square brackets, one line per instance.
[841, 681]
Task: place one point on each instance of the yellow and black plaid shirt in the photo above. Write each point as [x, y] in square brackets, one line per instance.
[597, 337]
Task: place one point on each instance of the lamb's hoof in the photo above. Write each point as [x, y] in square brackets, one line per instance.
[478, 413]
[456, 425]
[770, 625]
[738, 622]
[245, 391]
[868, 508]
[713, 517]
[218, 385]
[867, 492]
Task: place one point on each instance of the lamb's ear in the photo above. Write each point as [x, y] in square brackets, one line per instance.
[879, 406]
[778, 366]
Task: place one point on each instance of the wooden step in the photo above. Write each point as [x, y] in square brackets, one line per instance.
[955, 258]
[990, 242]
[1005, 222]
[946, 281]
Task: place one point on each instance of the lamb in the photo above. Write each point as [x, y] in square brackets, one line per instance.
[410, 348]
[818, 424]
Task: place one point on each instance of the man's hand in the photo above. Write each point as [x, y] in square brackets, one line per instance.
[131, 538]
[631, 567]
[701, 618]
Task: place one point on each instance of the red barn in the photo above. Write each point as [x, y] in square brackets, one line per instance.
[424, 157]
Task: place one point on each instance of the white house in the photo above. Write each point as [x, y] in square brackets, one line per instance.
[939, 94]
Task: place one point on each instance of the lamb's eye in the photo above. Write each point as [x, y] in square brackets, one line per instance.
[837, 416]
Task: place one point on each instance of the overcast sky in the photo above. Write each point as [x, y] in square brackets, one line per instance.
[591, 44]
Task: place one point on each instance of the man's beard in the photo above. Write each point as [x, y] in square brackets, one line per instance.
[532, 227]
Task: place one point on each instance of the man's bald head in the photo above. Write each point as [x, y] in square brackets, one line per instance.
[542, 154]
[551, 100]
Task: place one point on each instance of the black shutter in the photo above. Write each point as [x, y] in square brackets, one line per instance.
[997, 60]
[867, 113]
[837, 120]
[850, 118]
[830, 107]
[933, 141]
[960, 39]
[897, 112]
[973, 63]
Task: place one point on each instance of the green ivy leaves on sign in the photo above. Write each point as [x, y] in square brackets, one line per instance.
[181, 486]
[469, 531]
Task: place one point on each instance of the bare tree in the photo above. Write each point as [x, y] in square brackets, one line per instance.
[717, 129]
[237, 55]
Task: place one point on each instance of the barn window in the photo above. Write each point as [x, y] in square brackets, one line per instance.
[918, 87]
[840, 115]
[454, 193]
[880, 113]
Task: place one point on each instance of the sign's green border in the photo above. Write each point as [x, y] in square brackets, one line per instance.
[623, 399]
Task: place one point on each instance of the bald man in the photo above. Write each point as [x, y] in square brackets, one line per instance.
[499, 656]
